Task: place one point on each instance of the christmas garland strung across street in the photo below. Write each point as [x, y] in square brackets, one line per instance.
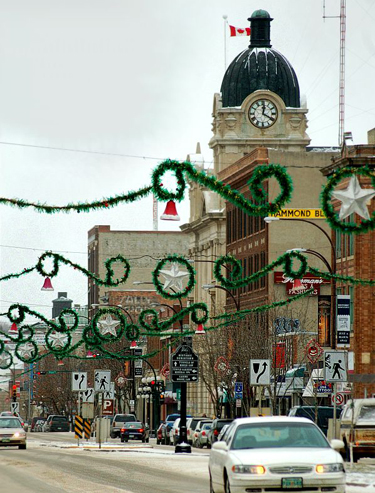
[353, 200]
[58, 339]
[262, 208]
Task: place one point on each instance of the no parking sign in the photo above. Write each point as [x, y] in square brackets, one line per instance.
[339, 398]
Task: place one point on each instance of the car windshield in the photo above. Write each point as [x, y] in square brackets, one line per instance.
[59, 418]
[278, 435]
[367, 413]
[10, 423]
[124, 418]
[207, 426]
[134, 425]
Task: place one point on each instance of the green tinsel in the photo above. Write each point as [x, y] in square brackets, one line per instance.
[173, 259]
[327, 206]
[339, 277]
[148, 319]
[236, 281]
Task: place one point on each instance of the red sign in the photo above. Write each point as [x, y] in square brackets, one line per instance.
[280, 355]
[107, 407]
[309, 281]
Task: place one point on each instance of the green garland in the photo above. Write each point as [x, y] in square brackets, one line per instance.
[148, 319]
[236, 281]
[180, 169]
[338, 277]
[327, 206]
[173, 259]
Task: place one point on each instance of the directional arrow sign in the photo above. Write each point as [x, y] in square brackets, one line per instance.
[184, 365]
[88, 395]
[79, 381]
[260, 372]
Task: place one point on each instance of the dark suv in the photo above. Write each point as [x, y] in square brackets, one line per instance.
[57, 423]
[324, 414]
[217, 425]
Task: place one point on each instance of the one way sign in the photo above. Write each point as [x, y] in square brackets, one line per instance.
[259, 372]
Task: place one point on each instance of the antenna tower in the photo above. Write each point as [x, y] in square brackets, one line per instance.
[342, 18]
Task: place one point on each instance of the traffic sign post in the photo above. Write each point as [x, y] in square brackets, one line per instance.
[184, 368]
[79, 381]
[102, 380]
[15, 407]
[184, 365]
[88, 395]
[260, 372]
[138, 363]
[335, 366]
[238, 390]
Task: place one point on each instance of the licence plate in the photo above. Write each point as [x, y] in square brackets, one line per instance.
[5, 440]
[131, 436]
[292, 483]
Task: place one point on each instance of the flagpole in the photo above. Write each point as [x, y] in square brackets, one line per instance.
[225, 17]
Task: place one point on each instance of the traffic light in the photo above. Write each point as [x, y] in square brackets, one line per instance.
[14, 392]
[41, 372]
[162, 397]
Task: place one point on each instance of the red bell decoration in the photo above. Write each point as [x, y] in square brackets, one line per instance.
[47, 286]
[298, 287]
[60, 363]
[200, 329]
[89, 354]
[133, 344]
[13, 328]
[170, 213]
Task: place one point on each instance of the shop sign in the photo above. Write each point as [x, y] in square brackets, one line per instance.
[309, 281]
[343, 320]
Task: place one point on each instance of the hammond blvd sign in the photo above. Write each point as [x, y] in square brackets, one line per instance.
[184, 365]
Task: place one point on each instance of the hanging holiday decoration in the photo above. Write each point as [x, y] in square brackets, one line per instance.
[47, 285]
[108, 281]
[108, 326]
[353, 199]
[235, 280]
[26, 351]
[183, 171]
[58, 340]
[200, 329]
[170, 213]
[313, 351]
[173, 277]
[6, 359]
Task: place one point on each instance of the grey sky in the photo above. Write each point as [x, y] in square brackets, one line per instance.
[138, 78]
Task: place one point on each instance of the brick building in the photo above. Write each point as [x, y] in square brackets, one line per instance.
[355, 256]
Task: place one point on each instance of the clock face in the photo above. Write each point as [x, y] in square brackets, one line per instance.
[263, 113]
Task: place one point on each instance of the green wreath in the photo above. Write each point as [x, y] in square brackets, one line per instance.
[179, 260]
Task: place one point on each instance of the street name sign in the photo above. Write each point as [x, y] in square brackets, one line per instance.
[260, 372]
[335, 366]
[184, 365]
[102, 380]
[79, 381]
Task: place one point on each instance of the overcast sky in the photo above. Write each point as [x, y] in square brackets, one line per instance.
[138, 79]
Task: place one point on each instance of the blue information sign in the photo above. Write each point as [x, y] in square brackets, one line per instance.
[238, 390]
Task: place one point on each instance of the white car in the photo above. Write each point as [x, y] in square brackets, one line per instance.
[275, 454]
[174, 434]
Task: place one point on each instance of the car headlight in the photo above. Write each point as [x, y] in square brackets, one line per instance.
[17, 434]
[323, 468]
[249, 469]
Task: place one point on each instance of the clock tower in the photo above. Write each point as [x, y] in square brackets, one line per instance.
[259, 104]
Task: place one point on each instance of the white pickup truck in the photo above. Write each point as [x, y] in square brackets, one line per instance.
[118, 422]
[358, 427]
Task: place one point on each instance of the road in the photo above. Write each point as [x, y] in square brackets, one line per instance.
[44, 467]
[54, 463]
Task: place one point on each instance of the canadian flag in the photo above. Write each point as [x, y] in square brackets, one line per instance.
[238, 31]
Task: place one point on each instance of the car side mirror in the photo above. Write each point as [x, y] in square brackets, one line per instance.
[337, 444]
[220, 446]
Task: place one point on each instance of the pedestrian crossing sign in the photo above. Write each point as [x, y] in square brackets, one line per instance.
[335, 366]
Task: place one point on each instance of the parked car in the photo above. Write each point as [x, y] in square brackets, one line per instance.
[170, 419]
[202, 439]
[274, 454]
[198, 429]
[11, 432]
[135, 431]
[174, 434]
[36, 424]
[358, 426]
[118, 422]
[216, 428]
[223, 433]
[159, 435]
[324, 414]
[191, 427]
[57, 422]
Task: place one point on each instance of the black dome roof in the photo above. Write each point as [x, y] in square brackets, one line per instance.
[260, 67]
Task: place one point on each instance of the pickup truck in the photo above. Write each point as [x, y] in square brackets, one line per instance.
[358, 426]
[118, 422]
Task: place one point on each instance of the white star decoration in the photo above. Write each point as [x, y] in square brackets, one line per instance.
[27, 351]
[4, 359]
[108, 326]
[174, 277]
[58, 339]
[354, 199]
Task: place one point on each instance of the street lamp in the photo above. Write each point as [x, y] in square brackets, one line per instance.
[237, 302]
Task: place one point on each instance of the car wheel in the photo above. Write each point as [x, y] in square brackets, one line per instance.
[158, 442]
[143, 440]
[126, 440]
[147, 441]
[113, 435]
[22, 447]
[211, 487]
[227, 485]
[208, 445]
[122, 439]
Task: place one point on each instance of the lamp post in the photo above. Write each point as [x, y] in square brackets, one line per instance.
[331, 268]
[237, 302]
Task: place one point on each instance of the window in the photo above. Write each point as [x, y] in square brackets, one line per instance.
[338, 244]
